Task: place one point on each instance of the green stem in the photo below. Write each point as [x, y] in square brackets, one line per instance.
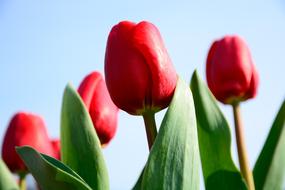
[242, 153]
[150, 128]
[22, 181]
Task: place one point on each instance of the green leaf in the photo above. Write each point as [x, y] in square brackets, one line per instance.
[7, 181]
[174, 161]
[80, 146]
[219, 170]
[269, 170]
[49, 172]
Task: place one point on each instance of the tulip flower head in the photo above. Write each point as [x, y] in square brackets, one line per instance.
[103, 112]
[139, 73]
[24, 129]
[231, 73]
[56, 147]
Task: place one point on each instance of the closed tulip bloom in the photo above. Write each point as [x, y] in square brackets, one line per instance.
[231, 73]
[24, 129]
[139, 73]
[103, 112]
[56, 147]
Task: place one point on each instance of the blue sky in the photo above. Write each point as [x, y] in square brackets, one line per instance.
[46, 44]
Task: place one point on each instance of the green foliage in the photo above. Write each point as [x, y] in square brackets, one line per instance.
[269, 170]
[219, 170]
[174, 161]
[7, 182]
[49, 172]
[80, 146]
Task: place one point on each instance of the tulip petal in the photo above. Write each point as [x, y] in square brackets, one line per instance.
[174, 161]
[103, 112]
[49, 172]
[230, 70]
[219, 170]
[138, 70]
[269, 170]
[80, 145]
[149, 43]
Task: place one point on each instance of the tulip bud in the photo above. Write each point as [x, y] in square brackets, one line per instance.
[24, 129]
[56, 147]
[139, 74]
[231, 74]
[103, 111]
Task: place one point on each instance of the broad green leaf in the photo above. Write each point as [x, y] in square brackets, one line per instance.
[174, 161]
[7, 181]
[269, 170]
[219, 170]
[80, 146]
[49, 172]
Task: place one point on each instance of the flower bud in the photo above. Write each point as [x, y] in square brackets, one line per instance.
[103, 112]
[231, 74]
[139, 73]
[24, 129]
[56, 147]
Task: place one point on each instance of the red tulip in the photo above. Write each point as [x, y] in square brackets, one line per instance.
[139, 74]
[231, 74]
[103, 111]
[56, 147]
[24, 129]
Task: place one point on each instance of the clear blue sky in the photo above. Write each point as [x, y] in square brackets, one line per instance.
[45, 44]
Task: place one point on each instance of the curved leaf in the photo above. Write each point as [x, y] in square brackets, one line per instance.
[7, 182]
[174, 161]
[49, 172]
[219, 170]
[80, 146]
[269, 170]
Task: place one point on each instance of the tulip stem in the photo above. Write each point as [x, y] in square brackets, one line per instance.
[150, 128]
[242, 153]
[22, 181]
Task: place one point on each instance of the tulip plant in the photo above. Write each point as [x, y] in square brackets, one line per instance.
[141, 80]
